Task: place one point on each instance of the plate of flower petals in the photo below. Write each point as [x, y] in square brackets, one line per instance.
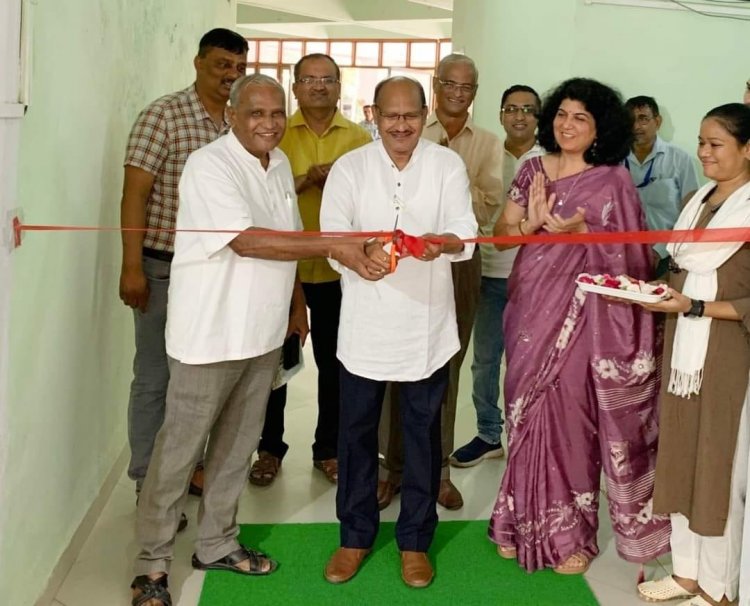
[622, 287]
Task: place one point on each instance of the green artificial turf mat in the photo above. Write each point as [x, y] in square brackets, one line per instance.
[468, 572]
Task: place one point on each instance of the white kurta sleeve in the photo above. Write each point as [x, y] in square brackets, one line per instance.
[337, 208]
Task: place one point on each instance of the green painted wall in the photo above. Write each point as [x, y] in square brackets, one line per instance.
[96, 64]
[689, 63]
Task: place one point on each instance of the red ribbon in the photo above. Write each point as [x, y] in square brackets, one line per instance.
[415, 244]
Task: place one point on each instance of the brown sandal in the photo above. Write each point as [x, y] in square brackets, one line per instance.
[330, 467]
[265, 469]
[508, 553]
[578, 563]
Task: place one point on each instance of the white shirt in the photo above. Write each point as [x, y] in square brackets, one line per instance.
[222, 306]
[498, 263]
[403, 327]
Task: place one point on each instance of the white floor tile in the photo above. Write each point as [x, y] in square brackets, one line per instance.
[102, 570]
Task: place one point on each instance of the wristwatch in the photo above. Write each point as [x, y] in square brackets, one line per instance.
[697, 307]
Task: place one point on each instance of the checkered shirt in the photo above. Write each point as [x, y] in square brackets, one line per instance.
[164, 135]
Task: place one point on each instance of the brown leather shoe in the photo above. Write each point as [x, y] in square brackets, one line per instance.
[386, 491]
[344, 564]
[416, 570]
[330, 467]
[449, 497]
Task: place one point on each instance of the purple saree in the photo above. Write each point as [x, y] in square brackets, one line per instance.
[581, 387]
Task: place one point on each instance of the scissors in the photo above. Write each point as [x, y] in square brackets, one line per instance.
[394, 244]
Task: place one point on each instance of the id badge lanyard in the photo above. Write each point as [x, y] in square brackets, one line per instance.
[647, 177]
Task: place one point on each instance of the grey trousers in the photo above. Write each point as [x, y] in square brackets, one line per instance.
[150, 371]
[467, 280]
[228, 401]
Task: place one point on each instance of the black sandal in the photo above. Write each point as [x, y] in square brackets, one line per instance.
[151, 589]
[231, 561]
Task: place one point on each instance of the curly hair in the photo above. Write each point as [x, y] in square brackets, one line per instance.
[613, 122]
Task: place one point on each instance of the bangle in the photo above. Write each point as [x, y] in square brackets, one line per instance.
[520, 229]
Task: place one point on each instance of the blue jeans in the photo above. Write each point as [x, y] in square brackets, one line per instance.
[148, 391]
[488, 351]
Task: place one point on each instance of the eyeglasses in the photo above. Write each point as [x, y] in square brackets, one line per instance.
[515, 109]
[326, 81]
[409, 117]
[450, 85]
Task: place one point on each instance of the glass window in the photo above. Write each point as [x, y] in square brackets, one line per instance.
[315, 46]
[422, 76]
[269, 51]
[422, 54]
[286, 82]
[394, 54]
[357, 88]
[291, 51]
[446, 48]
[367, 54]
[342, 52]
[269, 70]
[252, 51]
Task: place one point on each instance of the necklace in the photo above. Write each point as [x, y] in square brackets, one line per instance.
[563, 197]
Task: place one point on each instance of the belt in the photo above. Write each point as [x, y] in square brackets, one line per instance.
[159, 255]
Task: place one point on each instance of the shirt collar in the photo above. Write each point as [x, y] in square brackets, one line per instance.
[421, 143]
[338, 121]
[274, 156]
[535, 149]
[432, 119]
[198, 109]
[659, 147]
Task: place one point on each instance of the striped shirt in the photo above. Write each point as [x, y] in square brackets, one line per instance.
[166, 132]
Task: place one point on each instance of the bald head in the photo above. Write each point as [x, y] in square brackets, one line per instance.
[401, 83]
[401, 110]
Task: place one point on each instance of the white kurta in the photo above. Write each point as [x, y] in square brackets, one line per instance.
[403, 327]
[222, 306]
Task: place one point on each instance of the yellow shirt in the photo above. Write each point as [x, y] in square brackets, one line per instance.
[304, 149]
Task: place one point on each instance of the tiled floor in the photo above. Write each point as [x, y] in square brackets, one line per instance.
[102, 570]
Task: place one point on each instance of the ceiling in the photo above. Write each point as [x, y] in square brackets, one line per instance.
[428, 19]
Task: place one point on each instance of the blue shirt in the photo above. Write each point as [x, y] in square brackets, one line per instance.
[663, 179]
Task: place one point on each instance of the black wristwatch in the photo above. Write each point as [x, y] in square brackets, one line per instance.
[697, 307]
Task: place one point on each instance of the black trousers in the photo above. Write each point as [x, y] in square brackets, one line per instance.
[356, 498]
[324, 302]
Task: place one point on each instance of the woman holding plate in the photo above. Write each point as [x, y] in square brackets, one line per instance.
[581, 383]
[701, 469]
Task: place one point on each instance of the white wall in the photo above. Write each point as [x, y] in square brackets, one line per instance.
[97, 63]
[10, 128]
[688, 62]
